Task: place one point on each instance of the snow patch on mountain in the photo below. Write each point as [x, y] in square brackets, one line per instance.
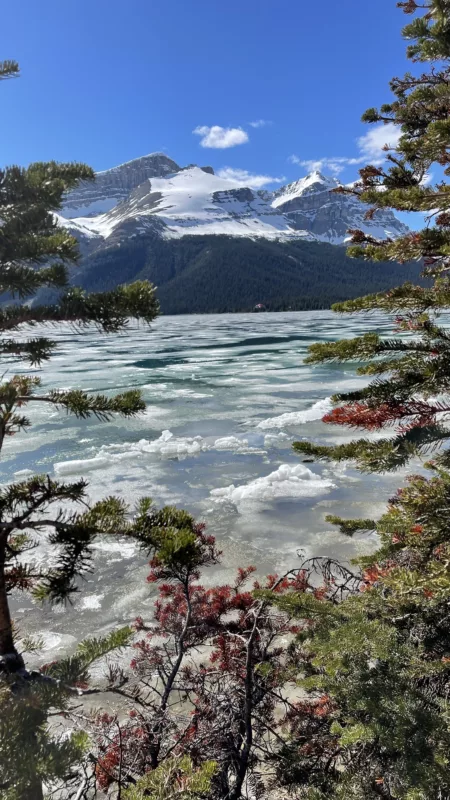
[311, 183]
[111, 186]
[193, 201]
[153, 195]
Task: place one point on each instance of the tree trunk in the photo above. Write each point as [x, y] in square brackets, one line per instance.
[33, 792]
[10, 660]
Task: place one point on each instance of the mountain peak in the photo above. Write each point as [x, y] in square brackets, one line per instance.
[158, 160]
[319, 177]
[311, 205]
[314, 182]
[154, 193]
[113, 185]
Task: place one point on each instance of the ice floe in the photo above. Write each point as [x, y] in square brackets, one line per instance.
[81, 465]
[289, 480]
[166, 446]
[121, 547]
[91, 602]
[316, 412]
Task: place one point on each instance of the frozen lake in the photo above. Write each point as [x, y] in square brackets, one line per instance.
[226, 395]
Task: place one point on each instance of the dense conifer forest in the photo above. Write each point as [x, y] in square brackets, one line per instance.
[214, 274]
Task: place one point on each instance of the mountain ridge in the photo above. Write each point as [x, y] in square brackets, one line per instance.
[211, 244]
[194, 200]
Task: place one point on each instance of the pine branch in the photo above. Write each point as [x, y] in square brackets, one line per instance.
[74, 669]
[20, 500]
[108, 310]
[9, 69]
[18, 252]
[23, 281]
[34, 350]
[404, 298]
[351, 526]
[380, 456]
[38, 189]
[398, 388]
[72, 536]
[363, 347]
[84, 405]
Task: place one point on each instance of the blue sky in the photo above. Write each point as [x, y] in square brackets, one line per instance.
[105, 81]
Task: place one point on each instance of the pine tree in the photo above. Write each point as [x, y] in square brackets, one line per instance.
[35, 252]
[212, 679]
[411, 385]
[8, 69]
[376, 667]
[177, 779]
[375, 720]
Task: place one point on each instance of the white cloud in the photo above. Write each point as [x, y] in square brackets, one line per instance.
[370, 147]
[220, 138]
[260, 123]
[333, 165]
[427, 179]
[249, 179]
[372, 143]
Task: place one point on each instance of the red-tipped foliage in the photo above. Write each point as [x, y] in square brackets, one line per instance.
[406, 415]
[209, 675]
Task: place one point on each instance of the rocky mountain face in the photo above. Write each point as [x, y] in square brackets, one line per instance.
[114, 185]
[153, 195]
[310, 205]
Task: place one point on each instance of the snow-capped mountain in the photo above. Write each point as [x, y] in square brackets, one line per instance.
[210, 244]
[190, 201]
[114, 185]
[310, 205]
[153, 195]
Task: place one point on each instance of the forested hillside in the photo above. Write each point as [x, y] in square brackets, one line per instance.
[208, 274]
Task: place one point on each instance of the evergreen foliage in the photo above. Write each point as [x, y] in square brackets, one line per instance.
[30, 752]
[375, 721]
[176, 779]
[379, 664]
[35, 252]
[212, 681]
[410, 389]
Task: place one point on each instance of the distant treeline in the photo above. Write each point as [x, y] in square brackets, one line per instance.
[214, 274]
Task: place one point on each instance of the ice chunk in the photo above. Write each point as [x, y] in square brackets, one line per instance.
[50, 640]
[316, 412]
[289, 480]
[170, 446]
[91, 602]
[230, 443]
[165, 446]
[275, 439]
[236, 445]
[78, 466]
[122, 547]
